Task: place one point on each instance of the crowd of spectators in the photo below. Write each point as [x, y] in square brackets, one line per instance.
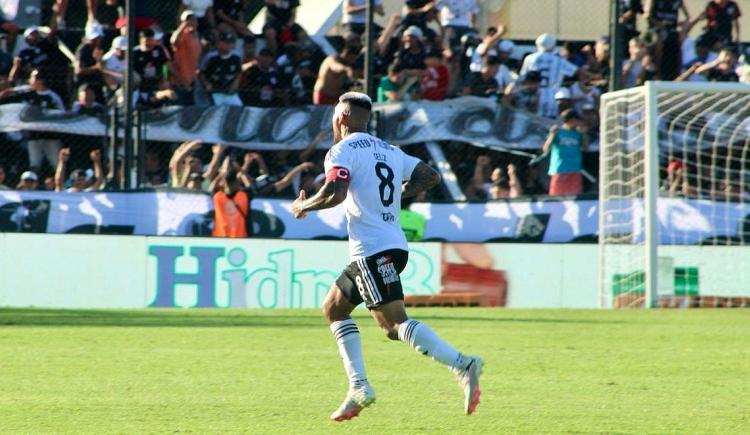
[430, 51]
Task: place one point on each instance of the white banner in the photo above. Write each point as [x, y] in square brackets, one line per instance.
[467, 119]
[681, 221]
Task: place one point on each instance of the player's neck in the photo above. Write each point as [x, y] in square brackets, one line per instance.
[348, 131]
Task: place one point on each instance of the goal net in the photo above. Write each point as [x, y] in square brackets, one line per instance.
[674, 220]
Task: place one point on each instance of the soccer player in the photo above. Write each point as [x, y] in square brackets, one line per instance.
[367, 173]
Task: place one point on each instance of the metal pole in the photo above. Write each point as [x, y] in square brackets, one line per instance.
[114, 142]
[616, 36]
[128, 94]
[140, 145]
[369, 27]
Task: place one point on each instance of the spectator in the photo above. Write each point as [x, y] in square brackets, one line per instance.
[231, 13]
[435, 82]
[153, 170]
[638, 67]
[491, 41]
[597, 60]
[261, 83]
[37, 93]
[418, 13]
[113, 63]
[80, 181]
[354, 18]
[524, 94]
[87, 104]
[457, 17]
[280, 27]
[10, 29]
[231, 208]
[565, 145]
[411, 56]
[186, 161]
[42, 52]
[203, 12]
[584, 94]
[28, 181]
[302, 83]
[505, 186]
[722, 69]
[2, 178]
[663, 18]
[336, 73]
[629, 10]
[395, 86]
[150, 58]
[553, 70]
[723, 16]
[88, 66]
[220, 72]
[483, 83]
[186, 46]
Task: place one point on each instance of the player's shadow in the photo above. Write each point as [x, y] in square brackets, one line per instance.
[223, 318]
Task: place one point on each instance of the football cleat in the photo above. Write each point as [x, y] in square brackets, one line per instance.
[468, 379]
[356, 400]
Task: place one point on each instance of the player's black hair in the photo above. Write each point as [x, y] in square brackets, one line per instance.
[357, 99]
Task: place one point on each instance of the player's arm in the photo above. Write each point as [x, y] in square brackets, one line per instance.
[330, 195]
[422, 178]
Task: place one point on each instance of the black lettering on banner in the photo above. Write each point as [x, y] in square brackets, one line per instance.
[386, 188]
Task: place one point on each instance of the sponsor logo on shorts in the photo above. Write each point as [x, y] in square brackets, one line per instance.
[387, 270]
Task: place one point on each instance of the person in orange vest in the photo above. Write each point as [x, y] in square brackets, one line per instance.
[231, 208]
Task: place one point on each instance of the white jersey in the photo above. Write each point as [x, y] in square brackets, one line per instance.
[553, 70]
[376, 170]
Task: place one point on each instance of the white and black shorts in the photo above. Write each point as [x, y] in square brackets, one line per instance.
[374, 280]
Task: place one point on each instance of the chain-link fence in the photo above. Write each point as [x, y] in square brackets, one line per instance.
[197, 65]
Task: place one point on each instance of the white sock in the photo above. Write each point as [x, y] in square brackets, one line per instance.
[350, 348]
[422, 339]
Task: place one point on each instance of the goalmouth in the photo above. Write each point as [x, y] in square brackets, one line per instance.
[674, 191]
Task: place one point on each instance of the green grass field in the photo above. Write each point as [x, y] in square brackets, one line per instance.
[242, 371]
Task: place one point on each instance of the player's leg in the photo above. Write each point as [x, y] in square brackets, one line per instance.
[383, 275]
[337, 307]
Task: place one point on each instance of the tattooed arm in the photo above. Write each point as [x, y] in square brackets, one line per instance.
[423, 178]
[330, 195]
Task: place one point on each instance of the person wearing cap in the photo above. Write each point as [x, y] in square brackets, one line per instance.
[524, 94]
[483, 83]
[336, 73]
[186, 46]
[28, 181]
[563, 100]
[457, 17]
[113, 63]
[42, 51]
[88, 66]
[411, 56]
[355, 15]
[553, 69]
[566, 145]
[80, 180]
[152, 62]
[37, 93]
[435, 81]
[220, 72]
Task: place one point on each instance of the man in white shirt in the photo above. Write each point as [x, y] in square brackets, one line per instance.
[458, 17]
[114, 64]
[370, 176]
[553, 70]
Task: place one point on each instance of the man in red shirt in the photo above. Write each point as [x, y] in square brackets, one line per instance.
[720, 15]
[436, 78]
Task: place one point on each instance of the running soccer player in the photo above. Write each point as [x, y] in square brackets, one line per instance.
[367, 174]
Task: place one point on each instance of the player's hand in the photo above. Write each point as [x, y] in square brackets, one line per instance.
[297, 210]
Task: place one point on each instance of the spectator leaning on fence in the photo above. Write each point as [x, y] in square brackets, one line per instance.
[566, 145]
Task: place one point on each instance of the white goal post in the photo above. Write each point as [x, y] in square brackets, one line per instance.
[674, 195]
